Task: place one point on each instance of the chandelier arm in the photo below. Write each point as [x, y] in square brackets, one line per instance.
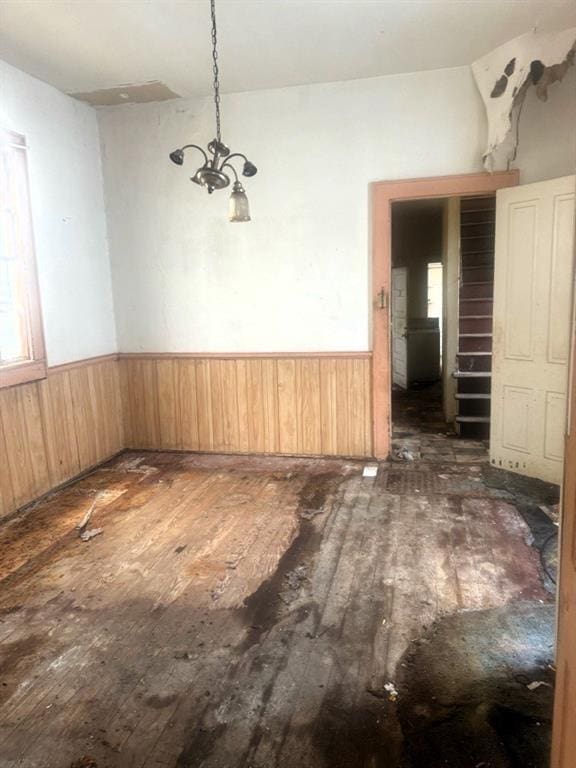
[228, 165]
[237, 154]
[195, 146]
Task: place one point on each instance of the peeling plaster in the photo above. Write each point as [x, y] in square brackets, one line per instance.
[503, 77]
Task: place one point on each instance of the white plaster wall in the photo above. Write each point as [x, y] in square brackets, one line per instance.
[68, 214]
[296, 278]
[547, 132]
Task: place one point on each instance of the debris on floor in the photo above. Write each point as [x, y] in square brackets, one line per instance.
[390, 689]
[183, 655]
[135, 464]
[387, 692]
[370, 470]
[537, 684]
[293, 582]
[553, 512]
[87, 516]
[84, 533]
[91, 533]
[403, 454]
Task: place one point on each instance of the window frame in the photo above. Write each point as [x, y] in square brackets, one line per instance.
[34, 367]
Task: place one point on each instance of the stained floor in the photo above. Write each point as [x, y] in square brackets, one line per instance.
[254, 613]
[419, 409]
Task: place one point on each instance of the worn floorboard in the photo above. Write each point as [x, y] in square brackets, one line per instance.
[249, 612]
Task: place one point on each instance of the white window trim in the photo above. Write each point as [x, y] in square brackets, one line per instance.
[34, 368]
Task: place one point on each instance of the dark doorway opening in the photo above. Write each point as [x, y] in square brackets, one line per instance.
[417, 298]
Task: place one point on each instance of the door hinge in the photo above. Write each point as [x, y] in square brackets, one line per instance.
[382, 299]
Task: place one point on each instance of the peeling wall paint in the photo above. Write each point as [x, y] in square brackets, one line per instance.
[504, 76]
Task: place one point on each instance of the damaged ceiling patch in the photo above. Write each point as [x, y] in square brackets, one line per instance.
[504, 76]
[127, 94]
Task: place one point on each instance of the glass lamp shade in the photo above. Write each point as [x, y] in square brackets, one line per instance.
[239, 209]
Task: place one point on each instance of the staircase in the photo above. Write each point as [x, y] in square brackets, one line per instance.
[474, 357]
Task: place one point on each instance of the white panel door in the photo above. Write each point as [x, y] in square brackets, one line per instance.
[533, 285]
[399, 321]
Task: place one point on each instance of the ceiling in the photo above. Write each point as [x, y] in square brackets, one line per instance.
[94, 45]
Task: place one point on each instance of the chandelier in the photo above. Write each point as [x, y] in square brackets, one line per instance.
[217, 167]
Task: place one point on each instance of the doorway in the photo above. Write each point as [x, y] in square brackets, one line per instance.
[416, 315]
[442, 346]
[384, 195]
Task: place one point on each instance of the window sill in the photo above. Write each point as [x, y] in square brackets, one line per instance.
[22, 373]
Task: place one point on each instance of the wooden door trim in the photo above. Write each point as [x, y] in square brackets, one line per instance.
[383, 194]
[562, 728]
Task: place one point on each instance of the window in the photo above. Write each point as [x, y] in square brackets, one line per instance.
[22, 355]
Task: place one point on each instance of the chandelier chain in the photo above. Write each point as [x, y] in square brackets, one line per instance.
[215, 68]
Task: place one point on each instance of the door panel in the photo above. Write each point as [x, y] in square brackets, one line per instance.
[516, 403]
[399, 322]
[519, 277]
[533, 279]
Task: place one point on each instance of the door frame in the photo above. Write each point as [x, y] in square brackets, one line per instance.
[563, 738]
[383, 194]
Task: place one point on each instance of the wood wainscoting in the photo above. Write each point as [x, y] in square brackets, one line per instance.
[54, 429]
[84, 413]
[306, 404]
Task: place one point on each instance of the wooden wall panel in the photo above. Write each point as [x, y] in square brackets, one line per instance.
[6, 491]
[303, 405]
[187, 394]
[52, 430]
[168, 403]
[287, 406]
[59, 428]
[23, 435]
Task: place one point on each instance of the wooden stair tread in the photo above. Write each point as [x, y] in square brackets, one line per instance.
[473, 419]
[472, 374]
[476, 298]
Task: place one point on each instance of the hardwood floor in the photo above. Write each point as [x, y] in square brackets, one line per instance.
[242, 611]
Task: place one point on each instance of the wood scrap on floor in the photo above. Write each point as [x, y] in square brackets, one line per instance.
[85, 533]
